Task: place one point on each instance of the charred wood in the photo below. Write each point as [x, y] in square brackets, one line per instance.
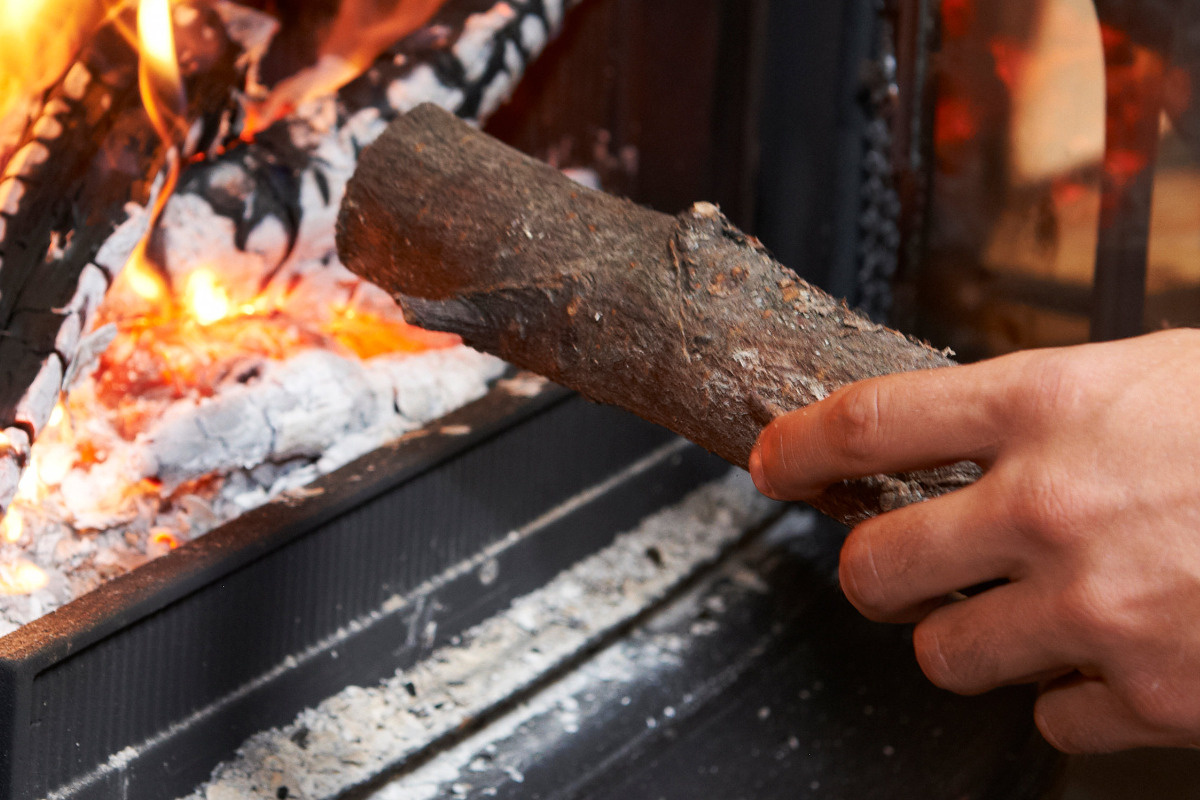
[73, 195]
[684, 320]
[70, 198]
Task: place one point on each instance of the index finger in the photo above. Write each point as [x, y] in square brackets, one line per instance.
[894, 423]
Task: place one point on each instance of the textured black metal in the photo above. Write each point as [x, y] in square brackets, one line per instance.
[241, 629]
[773, 687]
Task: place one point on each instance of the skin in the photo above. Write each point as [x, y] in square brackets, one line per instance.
[1088, 513]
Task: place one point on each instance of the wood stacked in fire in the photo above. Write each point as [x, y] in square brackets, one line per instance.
[76, 182]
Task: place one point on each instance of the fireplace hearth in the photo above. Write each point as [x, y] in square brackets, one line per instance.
[806, 122]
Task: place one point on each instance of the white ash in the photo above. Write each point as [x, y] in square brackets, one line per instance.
[541, 722]
[300, 419]
[361, 732]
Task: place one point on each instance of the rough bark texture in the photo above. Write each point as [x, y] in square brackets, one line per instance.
[683, 320]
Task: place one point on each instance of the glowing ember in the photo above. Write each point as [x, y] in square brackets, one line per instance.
[143, 280]
[57, 415]
[12, 526]
[207, 301]
[21, 577]
[164, 538]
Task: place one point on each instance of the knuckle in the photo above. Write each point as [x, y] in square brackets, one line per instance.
[855, 432]
[1048, 506]
[1054, 387]
[1084, 606]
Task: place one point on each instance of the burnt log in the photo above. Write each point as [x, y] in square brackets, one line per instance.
[71, 198]
[684, 320]
[74, 189]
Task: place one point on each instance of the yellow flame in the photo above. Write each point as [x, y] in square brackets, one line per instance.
[161, 86]
[21, 577]
[29, 488]
[143, 279]
[156, 36]
[13, 525]
[207, 301]
[158, 70]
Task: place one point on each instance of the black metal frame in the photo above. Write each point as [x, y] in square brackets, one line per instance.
[184, 658]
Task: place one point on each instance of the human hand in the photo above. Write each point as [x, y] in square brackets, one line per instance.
[1088, 511]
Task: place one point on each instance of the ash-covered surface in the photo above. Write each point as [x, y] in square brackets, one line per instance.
[758, 682]
[165, 462]
[360, 733]
[211, 459]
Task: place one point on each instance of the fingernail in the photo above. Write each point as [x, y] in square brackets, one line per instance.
[756, 473]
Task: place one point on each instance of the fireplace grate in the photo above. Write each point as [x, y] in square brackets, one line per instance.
[139, 688]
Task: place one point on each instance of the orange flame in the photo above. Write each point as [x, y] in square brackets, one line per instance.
[161, 86]
[361, 31]
[159, 78]
[207, 301]
[38, 41]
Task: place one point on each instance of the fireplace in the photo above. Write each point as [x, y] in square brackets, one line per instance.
[399, 547]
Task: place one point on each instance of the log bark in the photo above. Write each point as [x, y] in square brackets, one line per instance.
[684, 320]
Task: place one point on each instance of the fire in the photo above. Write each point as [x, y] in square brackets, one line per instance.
[162, 538]
[38, 41]
[13, 525]
[21, 577]
[161, 86]
[186, 339]
[206, 300]
[361, 31]
[159, 78]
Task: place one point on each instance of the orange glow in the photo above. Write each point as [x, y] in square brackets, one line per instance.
[164, 538]
[957, 16]
[207, 301]
[955, 121]
[57, 415]
[13, 525]
[30, 489]
[38, 41]
[361, 31]
[368, 335]
[161, 87]
[159, 78]
[21, 577]
[143, 280]
[1009, 58]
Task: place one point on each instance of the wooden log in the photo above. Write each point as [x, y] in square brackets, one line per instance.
[684, 320]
